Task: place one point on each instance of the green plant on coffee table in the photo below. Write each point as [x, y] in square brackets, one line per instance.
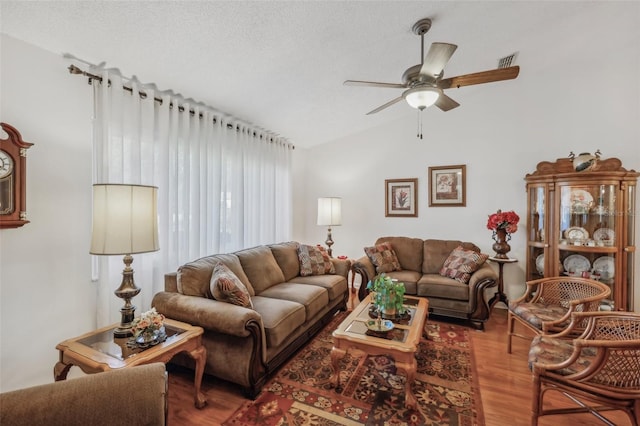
[388, 295]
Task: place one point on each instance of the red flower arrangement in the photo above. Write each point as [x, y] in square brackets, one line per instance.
[504, 220]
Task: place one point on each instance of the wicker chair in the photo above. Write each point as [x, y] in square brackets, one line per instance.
[547, 304]
[601, 366]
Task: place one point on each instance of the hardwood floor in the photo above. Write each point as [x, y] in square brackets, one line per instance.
[505, 387]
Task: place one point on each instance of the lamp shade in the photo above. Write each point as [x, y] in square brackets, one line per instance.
[125, 219]
[329, 211]
[421, 97]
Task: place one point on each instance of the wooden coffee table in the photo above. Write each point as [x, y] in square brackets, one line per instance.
[401, 343]
[99, 351]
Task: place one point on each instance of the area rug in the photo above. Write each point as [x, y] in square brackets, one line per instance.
[446, 386]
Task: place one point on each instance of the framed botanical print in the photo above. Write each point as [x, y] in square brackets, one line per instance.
[401, 197]
[447, 186]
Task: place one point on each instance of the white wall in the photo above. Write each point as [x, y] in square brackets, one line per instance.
[573, 94]
[46, 293]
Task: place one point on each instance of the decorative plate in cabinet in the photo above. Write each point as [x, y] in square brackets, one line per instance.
[606, 265]
[576, 263]
[604, 235]
[576, 233]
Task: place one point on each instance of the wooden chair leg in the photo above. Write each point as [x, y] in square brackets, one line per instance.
[536, 402]
[510, 325]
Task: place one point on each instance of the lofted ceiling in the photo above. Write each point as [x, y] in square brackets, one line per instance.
[280, 64]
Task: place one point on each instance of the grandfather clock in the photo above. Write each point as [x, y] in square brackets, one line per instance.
[13, 179]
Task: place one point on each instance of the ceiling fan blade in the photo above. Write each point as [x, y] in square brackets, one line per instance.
[388, 104]
[445, 103]
[374, 84]
[480, 77]
[436, 58]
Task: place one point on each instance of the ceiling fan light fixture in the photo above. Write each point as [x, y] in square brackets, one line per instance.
[421, 97]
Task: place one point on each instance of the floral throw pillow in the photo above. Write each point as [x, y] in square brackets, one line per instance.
[314, 261]
[225, 286]
[383, 258]
[461, 263]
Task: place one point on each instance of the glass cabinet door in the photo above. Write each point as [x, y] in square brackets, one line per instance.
[629, 249]
[537, 231]
[587, 234]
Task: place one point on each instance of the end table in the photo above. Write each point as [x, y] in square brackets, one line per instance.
[500, 296]
[99, 350]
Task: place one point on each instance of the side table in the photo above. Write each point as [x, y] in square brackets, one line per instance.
[99, 351]
[500, 296]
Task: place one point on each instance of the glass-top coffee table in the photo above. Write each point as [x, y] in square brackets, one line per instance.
[99, 351]
[401, 343]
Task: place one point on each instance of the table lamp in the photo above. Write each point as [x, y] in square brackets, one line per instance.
[125, 222]
[329, 214]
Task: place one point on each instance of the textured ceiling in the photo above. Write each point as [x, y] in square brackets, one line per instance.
[280, 64]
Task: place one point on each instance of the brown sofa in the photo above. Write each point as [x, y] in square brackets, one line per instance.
[244, 345]
[420, 262]
[129, 396]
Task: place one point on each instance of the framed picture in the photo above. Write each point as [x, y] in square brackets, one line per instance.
[447, 186]
[401, 197]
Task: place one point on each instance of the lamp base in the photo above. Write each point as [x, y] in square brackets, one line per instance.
[329, 242]
[124, 329]
[126, 291]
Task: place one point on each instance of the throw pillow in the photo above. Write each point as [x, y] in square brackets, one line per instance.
[314, 261]
[383, 258]
[225, 286]
[461, 263]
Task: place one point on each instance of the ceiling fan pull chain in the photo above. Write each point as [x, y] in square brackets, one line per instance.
[419, 135]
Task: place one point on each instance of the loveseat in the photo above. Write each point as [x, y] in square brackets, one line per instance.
[293, 291]
[419, 265]
[126, 396]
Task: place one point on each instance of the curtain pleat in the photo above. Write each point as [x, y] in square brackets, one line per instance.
[219, 189]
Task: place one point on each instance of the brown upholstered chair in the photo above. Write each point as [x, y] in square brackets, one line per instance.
[601, 366]
[125, 396]
[547, 304]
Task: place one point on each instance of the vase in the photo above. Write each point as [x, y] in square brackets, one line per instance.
[389, 312]
[501, 246]
[148, 336]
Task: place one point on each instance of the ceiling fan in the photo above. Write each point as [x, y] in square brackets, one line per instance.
[424, 83]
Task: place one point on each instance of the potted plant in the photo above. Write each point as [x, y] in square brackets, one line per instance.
[388, 295]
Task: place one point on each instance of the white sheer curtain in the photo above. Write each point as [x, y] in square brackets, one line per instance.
[222, 184]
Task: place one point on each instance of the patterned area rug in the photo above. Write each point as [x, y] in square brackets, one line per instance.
[446, 386]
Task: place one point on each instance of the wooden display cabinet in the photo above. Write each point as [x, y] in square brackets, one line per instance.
[583, 224]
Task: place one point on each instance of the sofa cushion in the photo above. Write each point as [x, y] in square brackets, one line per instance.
[439, 287]
[408, 278]
[314, 261]
[286, 255]
[437, 251]
[279, 317]
[193, 278]
[260, 267]
[461, 263]
[408, 250]
[227, 287]
[383, 257]
[336, 285]
[313, 298]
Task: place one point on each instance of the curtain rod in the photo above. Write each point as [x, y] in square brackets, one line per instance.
[77, 71]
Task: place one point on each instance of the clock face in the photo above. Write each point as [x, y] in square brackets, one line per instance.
[6, 164]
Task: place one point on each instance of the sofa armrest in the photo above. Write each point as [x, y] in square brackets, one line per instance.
[483, 278]
[367, 272]
[128, 396]
[342, 266]
[483, 272]
[213, 315]
[171, 282]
